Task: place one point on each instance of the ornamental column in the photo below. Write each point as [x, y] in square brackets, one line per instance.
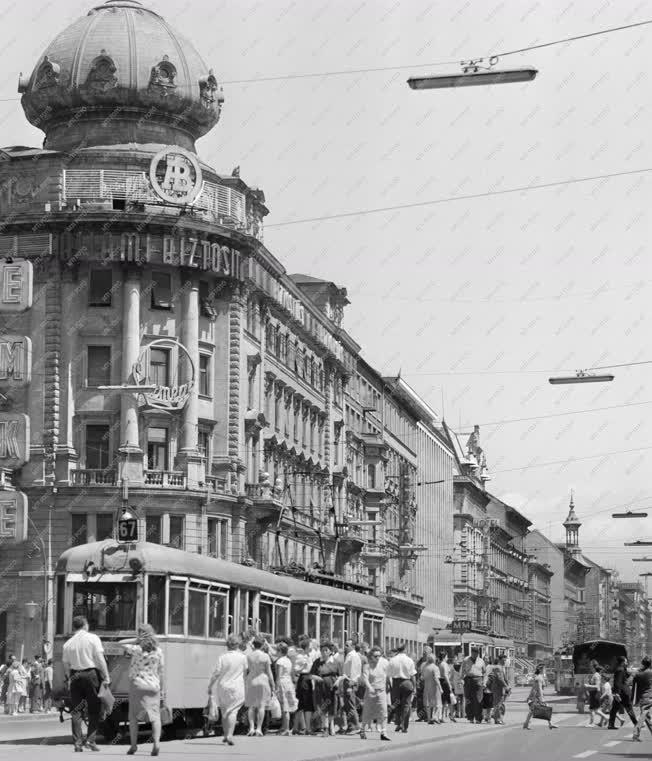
[188, 458]
[131, 453]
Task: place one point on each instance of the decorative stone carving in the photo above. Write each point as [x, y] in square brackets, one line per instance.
[210, 92]
[162, 77]
[101, 77]
[47, 75]
[253, 360]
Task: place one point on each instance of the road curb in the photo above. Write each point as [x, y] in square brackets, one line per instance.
[365, 751]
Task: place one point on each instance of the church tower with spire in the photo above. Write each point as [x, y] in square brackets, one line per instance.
[572, 525]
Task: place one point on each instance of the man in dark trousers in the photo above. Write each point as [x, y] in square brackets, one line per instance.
[622, 699]
[642, 696]
[85, 669]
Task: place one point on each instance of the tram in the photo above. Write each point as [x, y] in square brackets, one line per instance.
[193, 602]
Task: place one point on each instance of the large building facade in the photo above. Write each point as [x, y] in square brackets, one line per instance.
[179, 370]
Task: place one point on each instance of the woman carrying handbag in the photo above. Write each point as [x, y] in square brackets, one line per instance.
[537, 707]
[146, 686]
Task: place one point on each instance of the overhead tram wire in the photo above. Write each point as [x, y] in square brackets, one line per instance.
[451, 199]
[381, 69]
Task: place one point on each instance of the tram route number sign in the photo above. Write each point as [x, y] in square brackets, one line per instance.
[459, 625]
[128, 530]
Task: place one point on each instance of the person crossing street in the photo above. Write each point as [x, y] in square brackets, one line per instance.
[85, 670]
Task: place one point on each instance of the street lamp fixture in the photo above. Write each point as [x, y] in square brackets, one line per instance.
[638, 543]
[473, 73]
[629, 514]
[580, 377]
[428, 483]
[31, 609]
[641, 560]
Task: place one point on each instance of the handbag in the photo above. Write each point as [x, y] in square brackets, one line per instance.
[274, 708]
[107, 701]
[541, 711]
[166, 715]
[212, 711]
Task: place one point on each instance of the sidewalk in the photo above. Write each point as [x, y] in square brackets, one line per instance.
[287, 748]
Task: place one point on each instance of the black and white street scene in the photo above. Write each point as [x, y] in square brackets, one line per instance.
[325, 429]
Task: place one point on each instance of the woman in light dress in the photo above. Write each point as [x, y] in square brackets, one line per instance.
[229, 680]
[432, 701]
[146, 685]
[594, 688]
[259, 686]
[374, 707]
[285, 687]
[14, 681]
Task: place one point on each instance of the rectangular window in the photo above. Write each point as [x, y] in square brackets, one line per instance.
[297, 625]
[159, 367]
[156, 603]
[97, 447]
[103, 526]
[161, 290]
[197, 611]
[59, 604]
[107, 606]
[203, 444]
[98, 366]
[100, 283]
[157, 448]
[176, 531]
[312, 622]
[204, 375]
[217, 537]
[217, 616]
[176, 607]
[79, 529]
[153, 529]
[266, 613]
[280, 621]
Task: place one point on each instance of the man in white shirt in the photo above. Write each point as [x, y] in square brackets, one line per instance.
[474, 673]
[403, 675]
[352, 675]
[85, 668]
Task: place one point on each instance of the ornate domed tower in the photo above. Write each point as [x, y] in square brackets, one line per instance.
[572, 525]
[121, 75]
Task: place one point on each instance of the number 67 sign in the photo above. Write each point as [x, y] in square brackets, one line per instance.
[127, 527]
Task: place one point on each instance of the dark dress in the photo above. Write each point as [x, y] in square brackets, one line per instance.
[324, 693]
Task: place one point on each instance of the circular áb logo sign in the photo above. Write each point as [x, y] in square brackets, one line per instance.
[176, 176]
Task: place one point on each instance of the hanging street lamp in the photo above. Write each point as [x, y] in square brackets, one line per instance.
[474, 72]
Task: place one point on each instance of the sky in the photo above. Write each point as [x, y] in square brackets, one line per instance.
[476, 301]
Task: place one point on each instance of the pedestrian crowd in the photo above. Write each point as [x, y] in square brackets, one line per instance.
[321, 688]
[26, 687]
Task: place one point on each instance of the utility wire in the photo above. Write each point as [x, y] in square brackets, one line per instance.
[380, 69]
[573, 459]
[450, 199]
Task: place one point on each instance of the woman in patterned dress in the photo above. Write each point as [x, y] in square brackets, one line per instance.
[325, 671]
[374, 707]
[146, 685]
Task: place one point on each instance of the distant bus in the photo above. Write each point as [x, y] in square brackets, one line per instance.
[602, 651]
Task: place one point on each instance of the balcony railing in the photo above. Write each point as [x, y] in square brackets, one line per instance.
[216, 203]
[93, 477]
[374, 548]
[169, 479]
[216, 485]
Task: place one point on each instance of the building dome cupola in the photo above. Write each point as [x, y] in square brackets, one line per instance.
[121, 75]
[572, 525]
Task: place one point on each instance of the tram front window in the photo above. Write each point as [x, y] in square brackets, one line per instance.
[107, 606]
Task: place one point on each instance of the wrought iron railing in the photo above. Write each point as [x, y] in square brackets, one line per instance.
[218, 203]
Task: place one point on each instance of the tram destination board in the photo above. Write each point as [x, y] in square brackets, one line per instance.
[459, 625]
[128, 530]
